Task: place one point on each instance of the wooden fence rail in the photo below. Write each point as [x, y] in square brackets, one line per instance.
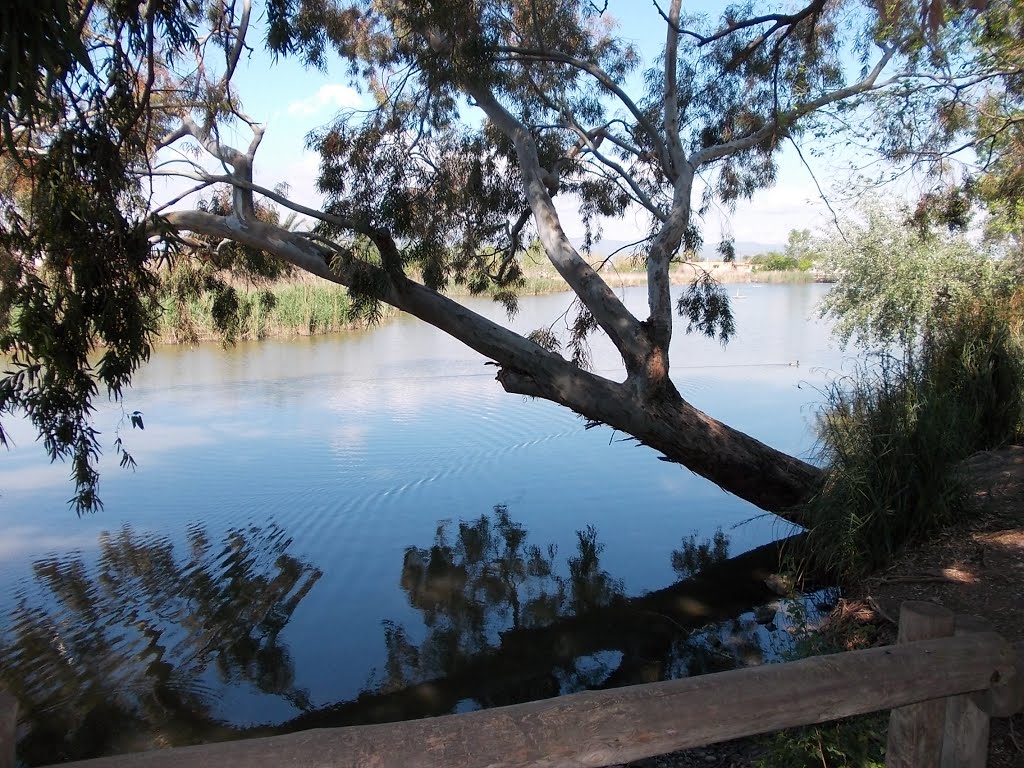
[961, 679]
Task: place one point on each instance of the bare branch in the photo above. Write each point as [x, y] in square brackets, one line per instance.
[675, 26]
[618, 141]
[351, 225]
[649, 129]
[257, 137]
[237, 164]
[821, 192]
[178, 133]
[177, 199]
[590, 142]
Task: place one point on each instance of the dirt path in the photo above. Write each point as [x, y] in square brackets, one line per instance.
[976, 567]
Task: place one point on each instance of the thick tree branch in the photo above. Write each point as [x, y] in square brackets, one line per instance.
[766, 477]
[622, 328]
[475, 331]
[238, 164]
[778, 21]
[664, 246]
[675, 144]
[235, 52]
[667, 241]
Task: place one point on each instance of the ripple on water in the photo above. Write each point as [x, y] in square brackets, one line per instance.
[332, 460]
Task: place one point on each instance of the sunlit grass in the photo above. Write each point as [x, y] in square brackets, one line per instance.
[300, 308]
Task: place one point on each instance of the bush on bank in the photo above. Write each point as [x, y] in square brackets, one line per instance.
[287, 309]
[942, 376]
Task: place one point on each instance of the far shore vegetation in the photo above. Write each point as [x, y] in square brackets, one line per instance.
[297, 304]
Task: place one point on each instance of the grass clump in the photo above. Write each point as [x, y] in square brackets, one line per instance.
[309, 309]
[854, 742]
[281, 309]
[892, 434]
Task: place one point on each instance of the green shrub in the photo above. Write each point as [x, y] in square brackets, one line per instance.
[895, 283]
[948, 382]
[776, 262]
[891, 435]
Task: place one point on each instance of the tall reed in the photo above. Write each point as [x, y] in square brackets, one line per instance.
[892, 434]
[284, 309]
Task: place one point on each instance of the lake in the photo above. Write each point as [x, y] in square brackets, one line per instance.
[369, 515]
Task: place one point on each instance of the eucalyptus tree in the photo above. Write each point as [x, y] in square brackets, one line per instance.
[486, 113]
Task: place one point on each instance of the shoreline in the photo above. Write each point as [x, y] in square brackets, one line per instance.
[310, 318]
[972, 567]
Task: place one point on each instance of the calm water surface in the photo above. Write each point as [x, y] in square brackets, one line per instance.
[316, 519]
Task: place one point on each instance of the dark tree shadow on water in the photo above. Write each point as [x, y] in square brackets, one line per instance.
[506, 621]
[480, 579]
[130, 648]
[126, 654]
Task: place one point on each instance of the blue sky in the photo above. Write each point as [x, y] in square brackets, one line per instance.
[292, 100]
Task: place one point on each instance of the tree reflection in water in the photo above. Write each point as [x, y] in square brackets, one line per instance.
[479, 580]
[127, 654]
[120, 656]
[505, 622]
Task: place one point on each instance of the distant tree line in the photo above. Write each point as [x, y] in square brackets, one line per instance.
[799, 254]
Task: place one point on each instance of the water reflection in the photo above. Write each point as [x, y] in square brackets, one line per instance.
[694, 555]
[484, 579]
[126, 653]
[138, 648]
[506, 621]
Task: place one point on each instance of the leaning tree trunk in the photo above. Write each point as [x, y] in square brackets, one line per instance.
[737, 462]
[646, 406]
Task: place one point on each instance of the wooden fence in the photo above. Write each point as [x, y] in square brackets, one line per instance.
[943, 681]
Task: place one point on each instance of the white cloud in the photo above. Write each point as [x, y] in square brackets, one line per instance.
[332, 95]
[19, 541]
[771, 214]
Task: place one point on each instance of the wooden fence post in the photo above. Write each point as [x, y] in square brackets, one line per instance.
[8, 729]
[1007, 698]
[965, 742]
[916, 731]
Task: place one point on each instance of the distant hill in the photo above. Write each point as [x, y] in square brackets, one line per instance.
[744, 248]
